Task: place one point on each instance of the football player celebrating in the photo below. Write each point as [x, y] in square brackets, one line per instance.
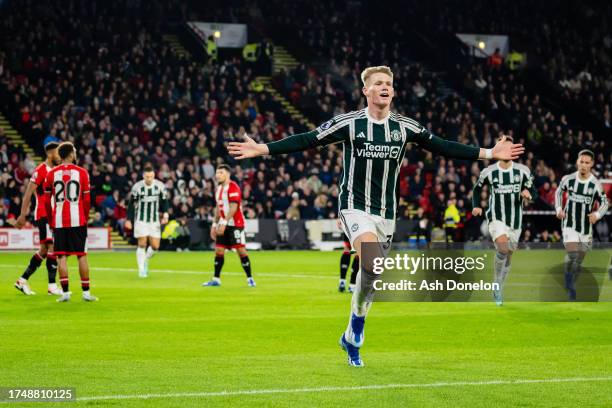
[374, 141]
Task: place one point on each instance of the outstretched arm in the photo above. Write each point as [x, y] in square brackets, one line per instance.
[501, 151]
[333, 131]
[249, 148]
[291, 144]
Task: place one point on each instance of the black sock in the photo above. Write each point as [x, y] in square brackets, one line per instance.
[51, 268]
[246, 265]
[35, 262]
[85, 284]
[345, 260]
[355, 270]
[219, 260]
[64, 283]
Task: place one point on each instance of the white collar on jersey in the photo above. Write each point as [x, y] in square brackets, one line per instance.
[508, 169]
[378, 122]
[583, 181]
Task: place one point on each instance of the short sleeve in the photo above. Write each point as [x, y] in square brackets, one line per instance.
[37, 178]
[233, 193]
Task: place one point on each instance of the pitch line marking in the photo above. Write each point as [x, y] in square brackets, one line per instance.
[344, 388]
[277, 275]
[192, 272]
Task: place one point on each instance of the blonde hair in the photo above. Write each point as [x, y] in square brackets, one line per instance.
[375, 70]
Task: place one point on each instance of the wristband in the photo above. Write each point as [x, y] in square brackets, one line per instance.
[488, 154]
[222, 221]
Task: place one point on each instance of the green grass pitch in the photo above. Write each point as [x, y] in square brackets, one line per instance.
[276, 344]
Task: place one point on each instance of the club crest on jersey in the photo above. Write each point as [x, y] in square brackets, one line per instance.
[590, 191]
[517, 178]
[354, 227]
[326, 125]
[396, 135]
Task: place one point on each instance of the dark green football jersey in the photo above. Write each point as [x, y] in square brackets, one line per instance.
[581, 198]
[148, 201]
[373, 151]
[505, 187]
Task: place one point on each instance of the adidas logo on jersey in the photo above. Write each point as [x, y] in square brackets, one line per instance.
[360, 135]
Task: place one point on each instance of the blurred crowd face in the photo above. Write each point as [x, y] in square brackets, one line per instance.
[584, 164]
[148, 177]
[379, 90]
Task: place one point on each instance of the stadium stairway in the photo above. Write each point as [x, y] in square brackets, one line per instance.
[295, 114]
[444, 90]
[118, 242]
[175, 46]
[14, 138]
[283, 60]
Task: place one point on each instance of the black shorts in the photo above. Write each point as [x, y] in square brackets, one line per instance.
[70, 241]
[45, 235]
[232, 238]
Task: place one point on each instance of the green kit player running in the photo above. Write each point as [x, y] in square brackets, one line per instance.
[578, 215]
[148, 199]
[509, 185]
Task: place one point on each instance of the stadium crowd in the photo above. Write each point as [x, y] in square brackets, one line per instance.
[101, 76]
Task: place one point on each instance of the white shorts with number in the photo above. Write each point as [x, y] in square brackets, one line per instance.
[498, 228]
[147, 229]
[356, 222]
[570, 235]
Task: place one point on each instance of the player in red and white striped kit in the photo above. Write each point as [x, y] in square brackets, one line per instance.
[228, 228]
[68, 203]
[35, 187]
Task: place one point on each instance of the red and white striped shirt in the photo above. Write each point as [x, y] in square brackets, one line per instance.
[227, 194]
[38, 178]
[68, 200]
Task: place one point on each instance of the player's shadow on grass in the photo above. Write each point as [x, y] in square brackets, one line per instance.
[588, 285]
